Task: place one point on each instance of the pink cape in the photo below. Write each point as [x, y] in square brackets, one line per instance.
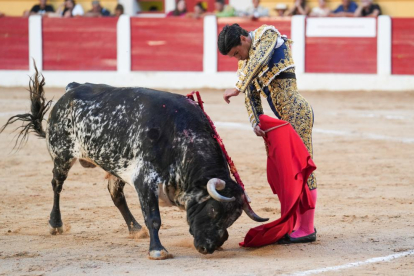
[289, 165]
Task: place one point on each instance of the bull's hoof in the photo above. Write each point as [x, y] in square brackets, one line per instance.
[139, 233]
[159, 255]
[55, 230]
[135, 230]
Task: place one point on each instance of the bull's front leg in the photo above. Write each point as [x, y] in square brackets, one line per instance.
[148, 197]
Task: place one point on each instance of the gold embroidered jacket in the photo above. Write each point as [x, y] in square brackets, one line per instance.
[269, 55]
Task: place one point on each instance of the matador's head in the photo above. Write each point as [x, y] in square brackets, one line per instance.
[234, 41]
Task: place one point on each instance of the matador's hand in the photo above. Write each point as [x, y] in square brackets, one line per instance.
[230, 93]
[258, 131]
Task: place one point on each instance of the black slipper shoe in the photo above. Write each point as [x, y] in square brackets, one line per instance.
[284, 240]
[305, 239]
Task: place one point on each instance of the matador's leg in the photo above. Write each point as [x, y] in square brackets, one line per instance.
[298, 112]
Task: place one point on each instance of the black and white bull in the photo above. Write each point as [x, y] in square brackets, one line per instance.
[158, 142]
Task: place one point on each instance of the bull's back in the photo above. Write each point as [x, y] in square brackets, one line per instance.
[129, 97]
[113, 125]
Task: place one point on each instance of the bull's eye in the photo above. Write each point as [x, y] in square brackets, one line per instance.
[212, 212]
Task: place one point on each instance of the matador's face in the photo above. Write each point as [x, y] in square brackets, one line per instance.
[241, 52]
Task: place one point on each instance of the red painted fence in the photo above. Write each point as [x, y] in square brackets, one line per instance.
[79, 44]
[14, 43]
[176, 44]
[166, 44]
[341, 55]
[226, 63]
[403, 46]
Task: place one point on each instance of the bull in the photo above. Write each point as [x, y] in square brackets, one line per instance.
[160, 143]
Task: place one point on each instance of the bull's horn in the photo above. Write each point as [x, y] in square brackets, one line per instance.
[215, 184]
[248, 210]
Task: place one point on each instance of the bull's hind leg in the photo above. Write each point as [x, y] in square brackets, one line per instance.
[60, 173]
[148, 197]
[116, 189]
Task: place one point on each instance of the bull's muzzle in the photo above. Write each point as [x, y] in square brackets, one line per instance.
[204, 250]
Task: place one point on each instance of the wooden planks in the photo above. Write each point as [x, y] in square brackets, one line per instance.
[166, 44]
[14, 43]
[403, 46]
[79, 44]
[341, 55]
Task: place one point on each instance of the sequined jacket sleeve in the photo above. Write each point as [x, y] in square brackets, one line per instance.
[253, 105]
[259, 55]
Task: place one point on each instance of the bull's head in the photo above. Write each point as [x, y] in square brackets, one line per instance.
[210, 217]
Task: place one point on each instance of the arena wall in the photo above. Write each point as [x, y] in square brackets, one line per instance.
[366, 54]
[69, 45]
[14, 43]
[403, 46]
[166, 44]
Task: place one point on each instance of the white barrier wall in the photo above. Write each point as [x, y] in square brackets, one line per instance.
[123, 41]
[210, 45]
[35, 43]
[298, 46]
[383, 80]
[384, 46]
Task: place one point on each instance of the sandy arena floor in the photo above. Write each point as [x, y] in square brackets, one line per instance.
[364, 148]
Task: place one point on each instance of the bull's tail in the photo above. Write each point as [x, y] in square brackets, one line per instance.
[32, 122]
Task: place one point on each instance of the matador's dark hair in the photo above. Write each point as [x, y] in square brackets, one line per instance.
[229, 37]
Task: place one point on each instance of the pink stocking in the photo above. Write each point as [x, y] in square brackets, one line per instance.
[298, 217]
[304, 223]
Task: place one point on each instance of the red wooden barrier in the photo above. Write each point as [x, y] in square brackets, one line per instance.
[226, 63]
[341, 55]
[166, 44]
[403, 46]
[79, 43]
[14, 43]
